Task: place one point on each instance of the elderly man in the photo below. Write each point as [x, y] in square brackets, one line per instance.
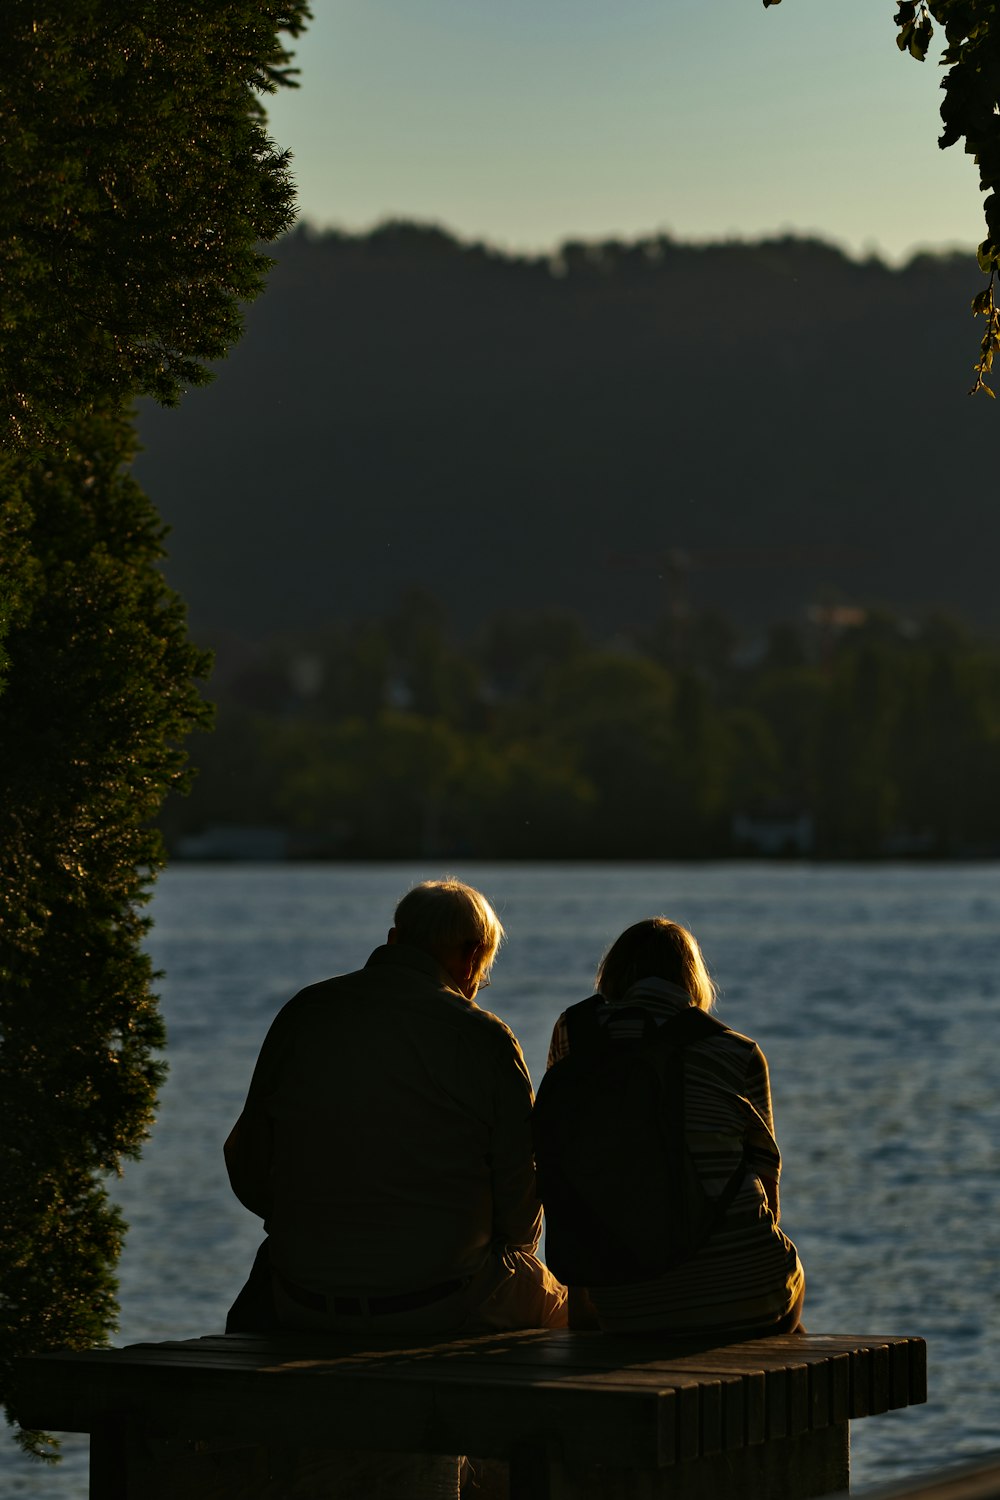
[386, 1144]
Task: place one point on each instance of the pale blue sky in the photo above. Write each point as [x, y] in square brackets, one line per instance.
[526, 122]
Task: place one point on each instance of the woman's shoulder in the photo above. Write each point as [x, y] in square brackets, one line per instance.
[737, 1039]
[741, 1053]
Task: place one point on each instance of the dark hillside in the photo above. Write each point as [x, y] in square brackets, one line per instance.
[745, 427]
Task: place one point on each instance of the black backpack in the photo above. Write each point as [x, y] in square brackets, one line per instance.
[622, 1197]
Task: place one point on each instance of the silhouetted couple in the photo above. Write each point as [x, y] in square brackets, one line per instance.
[386, 1142]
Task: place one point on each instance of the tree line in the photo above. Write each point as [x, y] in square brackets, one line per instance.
[393, 738]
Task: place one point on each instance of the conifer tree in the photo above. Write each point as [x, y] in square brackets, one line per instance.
[137, 183]
[99, 696]
[138, 180]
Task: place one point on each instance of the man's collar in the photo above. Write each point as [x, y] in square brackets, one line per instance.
[406, 956]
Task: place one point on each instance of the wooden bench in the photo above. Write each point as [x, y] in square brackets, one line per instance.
[548, 1415]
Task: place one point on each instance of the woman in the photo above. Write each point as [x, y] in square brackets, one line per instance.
[744, 1280]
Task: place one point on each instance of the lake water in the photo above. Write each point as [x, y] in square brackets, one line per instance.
[873, 991]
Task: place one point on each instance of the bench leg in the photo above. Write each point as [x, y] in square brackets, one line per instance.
[109, 1461]
[531, 1472]
[125, 1465]
[797, 1468]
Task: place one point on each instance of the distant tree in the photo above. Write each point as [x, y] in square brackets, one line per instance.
[791, 702]
[969, 112]
[436, 680]
[857, 796]
[518, 646]
[947, 749]
[524, 801]
[887, 732]
[136, 184]
[387, 782]
[612, 718]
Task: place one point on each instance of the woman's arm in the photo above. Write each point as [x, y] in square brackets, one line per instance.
[770, 1186]
[762, 1148]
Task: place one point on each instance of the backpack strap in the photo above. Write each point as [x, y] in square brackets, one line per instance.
[582, 1030]
[696, 1025]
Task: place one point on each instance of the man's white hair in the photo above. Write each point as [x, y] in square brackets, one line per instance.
[442, 915]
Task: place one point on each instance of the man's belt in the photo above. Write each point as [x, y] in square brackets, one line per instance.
[357, 1307]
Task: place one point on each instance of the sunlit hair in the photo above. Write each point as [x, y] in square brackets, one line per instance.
[442, 915]
[656, 949]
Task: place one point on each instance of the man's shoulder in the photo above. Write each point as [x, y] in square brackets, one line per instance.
[491, 1022]
[325, 989]
[492, 1027]
[400, 992]
[322, 993]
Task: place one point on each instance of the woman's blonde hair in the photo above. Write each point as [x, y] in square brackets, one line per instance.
[656, 949]
[442, 915]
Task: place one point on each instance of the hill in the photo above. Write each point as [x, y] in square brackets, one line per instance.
[616, 429]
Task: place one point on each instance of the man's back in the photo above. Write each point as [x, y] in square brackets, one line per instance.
[393, 1116]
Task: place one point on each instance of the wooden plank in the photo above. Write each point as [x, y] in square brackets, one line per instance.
[562, 1344]
[743, 1395]
[742, 1412]
[416, 1411]
[840, 1382]
[917, 1371]
[896, 1371]
[873, 1369]
[165, 1392]
[822, 1385]
[554, 1349]
[447, 1415]
[797, 1377]
[737, 1359]
[710, 1418]
[830, 1373]
[819, 1395]
[718, 1422]
[687, 1437]
[880, 1379]
[852, 1384]
[899, 1376]
[869, 1375]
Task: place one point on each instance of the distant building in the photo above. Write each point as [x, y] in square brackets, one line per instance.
[260, 844]
[233, 841]
[774, 831]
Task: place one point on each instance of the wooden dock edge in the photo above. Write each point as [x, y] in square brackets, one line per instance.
[979, 1479]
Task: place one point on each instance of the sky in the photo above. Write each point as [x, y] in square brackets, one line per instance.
[529, 122]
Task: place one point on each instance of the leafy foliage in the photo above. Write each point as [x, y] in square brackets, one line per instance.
[984, 304]
[970, 111]
[136, 180]
[98, 698]
[136, 184]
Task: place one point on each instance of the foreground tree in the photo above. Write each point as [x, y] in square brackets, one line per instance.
[138, 181]
[99, 697]
[136, 184]
[970, 112]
